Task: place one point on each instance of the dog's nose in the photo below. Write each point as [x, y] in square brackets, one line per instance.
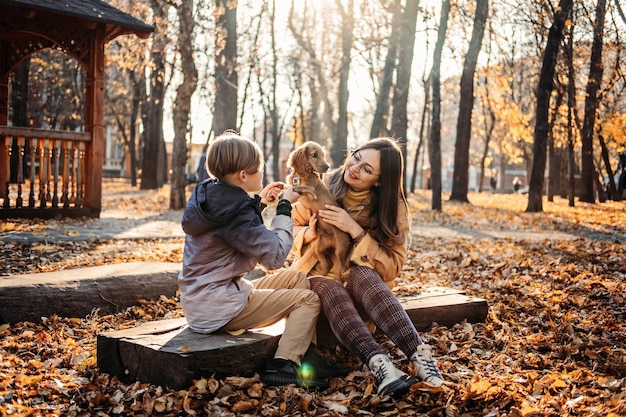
[326, 166]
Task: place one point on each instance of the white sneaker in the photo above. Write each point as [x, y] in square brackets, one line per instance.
[426, 367]
[391, 380]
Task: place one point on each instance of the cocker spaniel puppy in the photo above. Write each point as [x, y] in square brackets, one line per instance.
[307, 163]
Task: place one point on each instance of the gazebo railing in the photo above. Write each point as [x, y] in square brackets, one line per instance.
[42, 172]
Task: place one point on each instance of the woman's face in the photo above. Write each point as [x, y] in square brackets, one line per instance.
[363, 170]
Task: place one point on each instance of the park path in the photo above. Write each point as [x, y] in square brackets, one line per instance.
[125, 225]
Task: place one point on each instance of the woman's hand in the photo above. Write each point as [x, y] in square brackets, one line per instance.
[269, 194]
[340, 218]
[310, 233]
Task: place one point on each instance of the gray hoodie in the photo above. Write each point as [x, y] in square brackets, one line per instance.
[225, 238]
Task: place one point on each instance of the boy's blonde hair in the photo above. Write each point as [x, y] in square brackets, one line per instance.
[230, 153]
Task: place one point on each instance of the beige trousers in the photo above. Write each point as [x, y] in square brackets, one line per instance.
[284, 294]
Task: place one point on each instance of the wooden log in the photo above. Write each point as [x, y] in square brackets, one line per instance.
[77, 292]
[167, 353]
[444, 310]
[433, 306]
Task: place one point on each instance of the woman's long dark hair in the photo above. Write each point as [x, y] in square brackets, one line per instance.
[384, 196]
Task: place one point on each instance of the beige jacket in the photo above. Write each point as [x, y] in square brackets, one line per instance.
[387, 262]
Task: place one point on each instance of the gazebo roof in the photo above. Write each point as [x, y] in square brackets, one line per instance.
[117, 21]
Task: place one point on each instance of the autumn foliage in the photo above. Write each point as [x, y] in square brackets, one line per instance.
[552, 345]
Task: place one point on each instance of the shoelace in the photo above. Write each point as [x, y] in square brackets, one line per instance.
[429, 364]
[381, 372]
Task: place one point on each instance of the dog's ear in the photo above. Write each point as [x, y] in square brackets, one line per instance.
[300, 163]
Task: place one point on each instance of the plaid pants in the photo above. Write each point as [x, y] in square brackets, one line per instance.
[365, 291]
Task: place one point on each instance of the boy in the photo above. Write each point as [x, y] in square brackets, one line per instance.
[226, 238]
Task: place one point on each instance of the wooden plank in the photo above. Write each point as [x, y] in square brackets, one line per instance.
[444, 310]
[26, 132]
[76, 292]
[434, 305]
[167, 353]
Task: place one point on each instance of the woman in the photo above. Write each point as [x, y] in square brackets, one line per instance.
[376, 216]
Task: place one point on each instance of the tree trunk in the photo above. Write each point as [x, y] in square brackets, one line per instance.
[226, 77]
[609, 171]
[19, 94]
[434, 143]
[139, 95]
[275, 131]
[340, 143]
[591, 105]
[466, 105]
[425, 111]
[182, 106]
[553, 153]
[379, 124]
[318, 95]
[152, 166]
[399, 120]
[19, 103]
[544, 90]
[490, 124]
[571, 108]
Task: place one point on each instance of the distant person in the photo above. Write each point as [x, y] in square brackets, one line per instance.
[517, 184]
[493, 181]
[607, 190]
[226, 238]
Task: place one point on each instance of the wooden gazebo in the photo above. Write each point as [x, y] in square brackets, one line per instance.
[49, 173]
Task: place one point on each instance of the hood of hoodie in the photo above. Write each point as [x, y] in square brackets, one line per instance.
[214, 204]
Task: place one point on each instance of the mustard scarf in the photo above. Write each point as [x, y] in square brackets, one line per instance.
[354, 198]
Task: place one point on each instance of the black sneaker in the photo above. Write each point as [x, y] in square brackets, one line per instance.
[284, 372]
[320, 367]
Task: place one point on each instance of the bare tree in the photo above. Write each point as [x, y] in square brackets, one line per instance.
[466, 105]
[320, 84]
[340, 141]
[591, 106]
[571, 108]
[379, 124]
[544, 90]
[182, 104]
[153, 167]
[422, 132]
[123, 105]
[434, 143]
[489, 120]
[226, 75]
[399, 120]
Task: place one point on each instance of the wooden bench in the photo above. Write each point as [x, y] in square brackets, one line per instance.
[168, 354]
[77, 292]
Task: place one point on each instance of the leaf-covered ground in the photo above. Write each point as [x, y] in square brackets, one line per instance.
[552, 345]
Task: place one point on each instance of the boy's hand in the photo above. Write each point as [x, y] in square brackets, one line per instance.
[289, 194]
[269, 194]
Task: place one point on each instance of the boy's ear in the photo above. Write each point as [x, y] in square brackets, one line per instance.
[242, 176]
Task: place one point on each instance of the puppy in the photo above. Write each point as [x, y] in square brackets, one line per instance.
[307, 163]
